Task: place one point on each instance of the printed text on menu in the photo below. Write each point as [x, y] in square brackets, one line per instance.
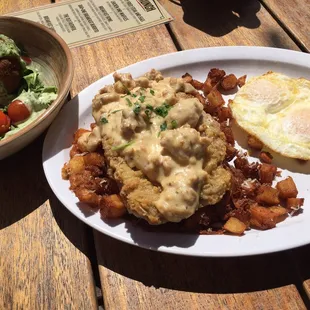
[84, 21]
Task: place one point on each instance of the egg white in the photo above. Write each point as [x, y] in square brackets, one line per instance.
[276, 109]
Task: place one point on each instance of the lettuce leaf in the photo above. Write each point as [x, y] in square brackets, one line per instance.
[33, 82]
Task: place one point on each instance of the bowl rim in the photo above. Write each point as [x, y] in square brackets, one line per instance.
[68, 77]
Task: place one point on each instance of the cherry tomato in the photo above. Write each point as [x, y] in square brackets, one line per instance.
[18, 111]
[5, 123]
[26, 59]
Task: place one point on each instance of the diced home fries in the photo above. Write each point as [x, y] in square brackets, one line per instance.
[251, 202]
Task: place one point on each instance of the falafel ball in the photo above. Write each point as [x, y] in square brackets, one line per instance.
[10, 73]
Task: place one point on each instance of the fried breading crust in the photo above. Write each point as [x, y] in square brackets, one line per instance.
[137, 191]
[139, 194]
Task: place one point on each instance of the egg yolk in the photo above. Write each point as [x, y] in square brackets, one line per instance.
[268, 94]
[297, 124]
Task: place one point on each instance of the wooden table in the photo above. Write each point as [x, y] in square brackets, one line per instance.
[51, 260]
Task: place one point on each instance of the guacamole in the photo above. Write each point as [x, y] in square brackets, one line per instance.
[8, 47]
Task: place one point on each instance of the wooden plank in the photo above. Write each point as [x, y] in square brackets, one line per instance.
[214, 23]
[294, 15]
[135, 278]
[8, 6]
[306, 285]
[99, 59]
[96, 60]
[43, 252]
[300, 258]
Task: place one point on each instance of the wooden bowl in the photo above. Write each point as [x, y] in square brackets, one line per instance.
[52, 56]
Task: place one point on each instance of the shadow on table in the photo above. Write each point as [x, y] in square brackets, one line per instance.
[29, 190]
[63, 128]
[143, 235]
[218, 18]
[26, 165]
[78, 233]
[280, 40]
[29, 180]
[204, 275]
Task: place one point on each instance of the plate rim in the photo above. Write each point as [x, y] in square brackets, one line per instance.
[231, 53]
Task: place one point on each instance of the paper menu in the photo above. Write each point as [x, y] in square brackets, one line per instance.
[81, 22]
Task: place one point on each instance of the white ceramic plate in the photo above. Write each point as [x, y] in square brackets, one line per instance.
[293, 232]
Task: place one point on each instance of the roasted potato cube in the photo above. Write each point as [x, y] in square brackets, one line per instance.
[231, 152]
[235, 226]
[294, 204]
[224, 114]
[280, 213]
[65, 172]
[197, 85]
[74, 150]
[265, 157]
[84, 180]
[87, 196]
[76, 165]
[207, 87]
[82, 142]
[267, 195]
[241, 80]
[201, 98]
[112, 207]
[94, 159]
[227, 130]
[229, 82]
[215, 75]
[287, 188]
[267, 173]
[242, 214]
[187, 78]
[261, 217]
[78, 134]
[254, 143]
[215, 98]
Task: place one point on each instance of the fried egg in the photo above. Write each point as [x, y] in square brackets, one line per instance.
[276, 109]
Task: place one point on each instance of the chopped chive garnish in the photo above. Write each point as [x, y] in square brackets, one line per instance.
[122, 146]
[152, 92]
[141, 98]
[163, 109]
[104, 120]
[129, 102]
[113, 112]
[148, 110]
[174, 124]
[163, 127]
[137, 108]
[134, 95]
